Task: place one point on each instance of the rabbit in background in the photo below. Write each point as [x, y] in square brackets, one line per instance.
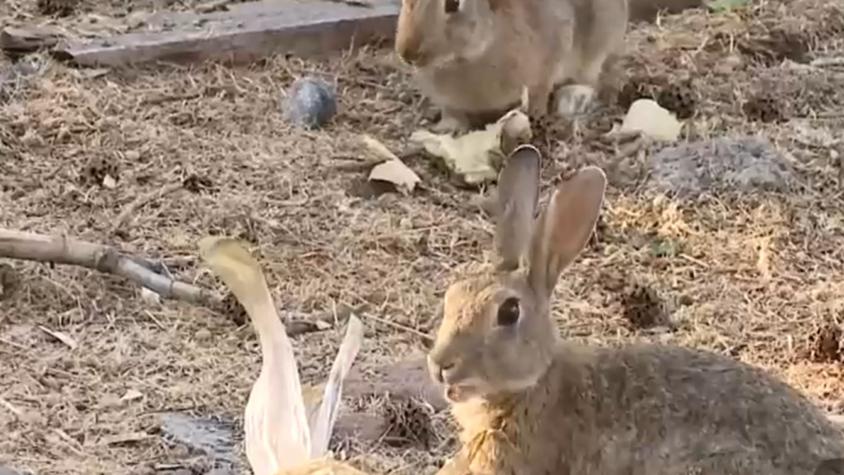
[529, 403]
[476, 58]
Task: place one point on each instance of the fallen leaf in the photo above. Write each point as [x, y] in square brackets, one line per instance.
[477, 156]
[131, 395]
[67, 340]
[391, 169]
[397, 173]
[109, 182]
[378, 149]
[150, 296]
[652, 120]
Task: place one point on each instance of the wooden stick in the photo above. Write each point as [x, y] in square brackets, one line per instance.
[62, 250]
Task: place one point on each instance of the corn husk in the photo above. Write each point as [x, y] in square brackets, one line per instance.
[283, 436]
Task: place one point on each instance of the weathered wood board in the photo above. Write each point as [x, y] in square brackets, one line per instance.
[243, 33]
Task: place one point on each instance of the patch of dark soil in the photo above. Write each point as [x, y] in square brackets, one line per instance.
[764, 107]
[827, 344]
[777, 46]
[59, 8]
[644, 308]
[408, 423]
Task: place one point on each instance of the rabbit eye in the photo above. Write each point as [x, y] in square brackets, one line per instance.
[451, 6]
[508, 312]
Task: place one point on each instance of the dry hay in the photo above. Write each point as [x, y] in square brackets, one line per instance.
[751, 275]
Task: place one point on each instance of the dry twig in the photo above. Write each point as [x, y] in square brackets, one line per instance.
[140, 201]
[61, 250]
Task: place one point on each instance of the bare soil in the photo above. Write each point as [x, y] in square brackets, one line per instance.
[759, 276]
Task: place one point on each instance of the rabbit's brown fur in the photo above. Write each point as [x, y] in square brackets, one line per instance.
[529, 403]
[474, 63]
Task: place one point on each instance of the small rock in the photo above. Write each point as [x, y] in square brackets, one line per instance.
[652, 120]
[203, 334]
[7, 471]
[310, 103]
[743, 164]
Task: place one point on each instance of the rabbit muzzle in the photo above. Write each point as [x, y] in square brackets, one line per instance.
[450, 374]
[437, 370]
[413, 56]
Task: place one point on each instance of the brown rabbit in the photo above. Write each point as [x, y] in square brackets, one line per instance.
[529, 403]
[474, 58]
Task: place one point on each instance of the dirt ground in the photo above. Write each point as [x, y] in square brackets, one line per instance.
[758, 276]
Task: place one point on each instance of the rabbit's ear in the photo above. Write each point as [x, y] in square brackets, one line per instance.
[518, 193]
[565, 227]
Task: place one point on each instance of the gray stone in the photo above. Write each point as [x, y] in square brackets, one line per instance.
[4, 470]
[208, 436]
[742, 164]
[310, 103]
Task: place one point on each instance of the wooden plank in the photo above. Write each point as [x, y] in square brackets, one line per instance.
[245, 33]
[20, 41]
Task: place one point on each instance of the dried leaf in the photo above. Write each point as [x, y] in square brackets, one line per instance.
[378, 150]
[397, 173]
[649, 118]
[109, 182]
[62, 337]
[131, 395]
[150, 296]
[391, 169]
[477, 156]
[327, 416]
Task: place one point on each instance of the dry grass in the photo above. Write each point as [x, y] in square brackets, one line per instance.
[750, 275]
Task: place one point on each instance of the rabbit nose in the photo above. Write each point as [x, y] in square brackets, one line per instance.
[439, 371]
[409, 49]
[409, 55]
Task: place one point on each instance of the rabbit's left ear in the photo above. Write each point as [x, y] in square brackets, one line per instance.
[565, 227]
[518, 193]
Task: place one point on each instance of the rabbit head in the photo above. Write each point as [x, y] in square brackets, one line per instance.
[434, 32]
[497, 336]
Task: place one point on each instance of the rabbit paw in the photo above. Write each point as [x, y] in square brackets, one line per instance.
[575, 100]
[450, 124]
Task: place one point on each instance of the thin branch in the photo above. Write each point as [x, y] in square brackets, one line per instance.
[61, 250]
[140, 201]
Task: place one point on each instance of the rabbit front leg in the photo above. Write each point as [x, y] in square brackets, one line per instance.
[538, 96]
[451, 122]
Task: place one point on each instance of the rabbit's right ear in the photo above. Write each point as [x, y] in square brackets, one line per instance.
[518, 194]
[565, 227]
